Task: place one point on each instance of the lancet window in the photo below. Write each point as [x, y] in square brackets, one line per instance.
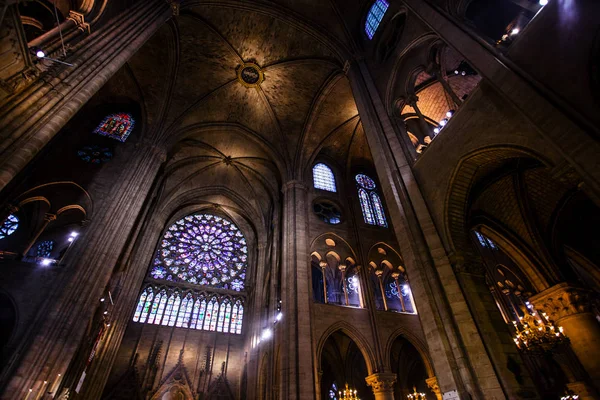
[374, 17]
[323, 178]
[203, 250]
[391, 289]
[370, 202]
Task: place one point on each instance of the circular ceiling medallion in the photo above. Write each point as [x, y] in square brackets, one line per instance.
[250, 75]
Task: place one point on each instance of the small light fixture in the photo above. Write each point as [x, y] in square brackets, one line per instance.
[46, 262]
[455, 72]
[102, 299]
[40, 53]
[71, 239]
[74, 234]
[450, 113]
[436, 130]
[266, 334]
[443, 122]
[463, 73]
[515, 31]
[105, 312]
[279, 316]
[107, 324]
[543, 2]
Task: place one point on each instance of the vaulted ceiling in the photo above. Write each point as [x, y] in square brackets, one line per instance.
[247, 140]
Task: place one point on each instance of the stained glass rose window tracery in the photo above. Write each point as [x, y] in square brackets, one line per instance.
[9, 226]
[203, 249]
[44, 249]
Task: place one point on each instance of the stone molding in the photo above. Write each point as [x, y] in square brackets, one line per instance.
[79, 20]
[432, 384]
[562, 300]
[294, 184]
[381, 382]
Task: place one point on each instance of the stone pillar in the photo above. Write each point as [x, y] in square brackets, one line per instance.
[425, 138]
[569, 307]
[31, 119]
[88, 269]
[459, 356]
[432, 384]
[296, 348]
[382, 385]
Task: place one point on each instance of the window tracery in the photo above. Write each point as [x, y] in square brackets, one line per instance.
[44, 249]
[370, 202]
[323, 178]
[201, 249]
[374, 17]
[9, 226]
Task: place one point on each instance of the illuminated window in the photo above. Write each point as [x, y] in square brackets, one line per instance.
[370, 202]
[375, 16]
[44, 249]
[323, 178]
[95, 154]
[9, 226]
[485, 241]
[116, 126]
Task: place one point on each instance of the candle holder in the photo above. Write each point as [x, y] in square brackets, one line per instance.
[348, 394]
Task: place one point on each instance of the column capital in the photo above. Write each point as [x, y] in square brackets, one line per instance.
[79, 20]
[432, 384]
[294, 184]
[562, 300]
[381, 382]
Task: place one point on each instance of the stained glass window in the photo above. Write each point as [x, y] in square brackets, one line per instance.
[328, 212]
[116, 126]
[9, 226]
[203, 249]
[141, 304]
[375, 16]
[380, 216]
[370, 202]
[485, 241]
[323, 178]
[44, 249]
[333, 391]
[365, 204]
[95, 154]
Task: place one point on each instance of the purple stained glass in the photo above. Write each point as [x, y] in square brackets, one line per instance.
[202, 249]
[365, 204]
[365, 182]
[374, 17]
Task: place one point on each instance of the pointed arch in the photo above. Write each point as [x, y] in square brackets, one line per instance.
[323, 178]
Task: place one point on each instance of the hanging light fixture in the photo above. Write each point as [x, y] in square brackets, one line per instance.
[536, 331]
[348, 394]
[416, 395]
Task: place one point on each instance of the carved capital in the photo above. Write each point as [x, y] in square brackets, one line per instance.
[433, 385]
[561, 301]
[79, 20]
[382, 382]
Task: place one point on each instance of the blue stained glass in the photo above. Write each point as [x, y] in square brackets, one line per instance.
[44, 249]
[365, 204]
[365, 182]
[9, 226]
[95, 154]
[333, 392]
[374, 17]
[378, 210]
[202, 249]
[116, 126]
[323, 178]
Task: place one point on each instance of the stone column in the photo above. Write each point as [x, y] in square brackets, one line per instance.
[31, 118]
[459, 356]
[88, 269]
[382, 385]
[425, 138]
[432, 384]
[323, 265]
[296, 348]
[569, 307]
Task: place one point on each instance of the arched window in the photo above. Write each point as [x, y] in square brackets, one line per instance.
[484, 241]
[117, 126]
[200, 249]
[44, 249]
[323, 178]
[370, 202]
[9, 226]
[375, 16]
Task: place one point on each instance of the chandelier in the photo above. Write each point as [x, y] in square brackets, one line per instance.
[416, 395]
[536, 331]
[348, 394]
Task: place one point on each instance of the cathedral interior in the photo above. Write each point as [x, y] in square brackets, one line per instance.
[299, 199]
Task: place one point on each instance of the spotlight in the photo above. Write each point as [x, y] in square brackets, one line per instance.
[450, 113]
[279, 316]
[107, 324]
[74, 234]
[515, 31]
[436, 130]
[266, 334]
[102, 299]
[455, 72]
[46, 262]
[105, 312]
[463, 73]
[40, 54]
[71, 239]
[443, 122]
[543, 2]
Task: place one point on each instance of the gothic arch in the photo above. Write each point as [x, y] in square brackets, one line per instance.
[421, 347]
[356, 337]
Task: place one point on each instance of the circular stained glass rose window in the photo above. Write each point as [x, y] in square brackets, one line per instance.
[365, 182]
[203, 249]
[328, 212]
[95, 154]
[9, 226]
[44, 249]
